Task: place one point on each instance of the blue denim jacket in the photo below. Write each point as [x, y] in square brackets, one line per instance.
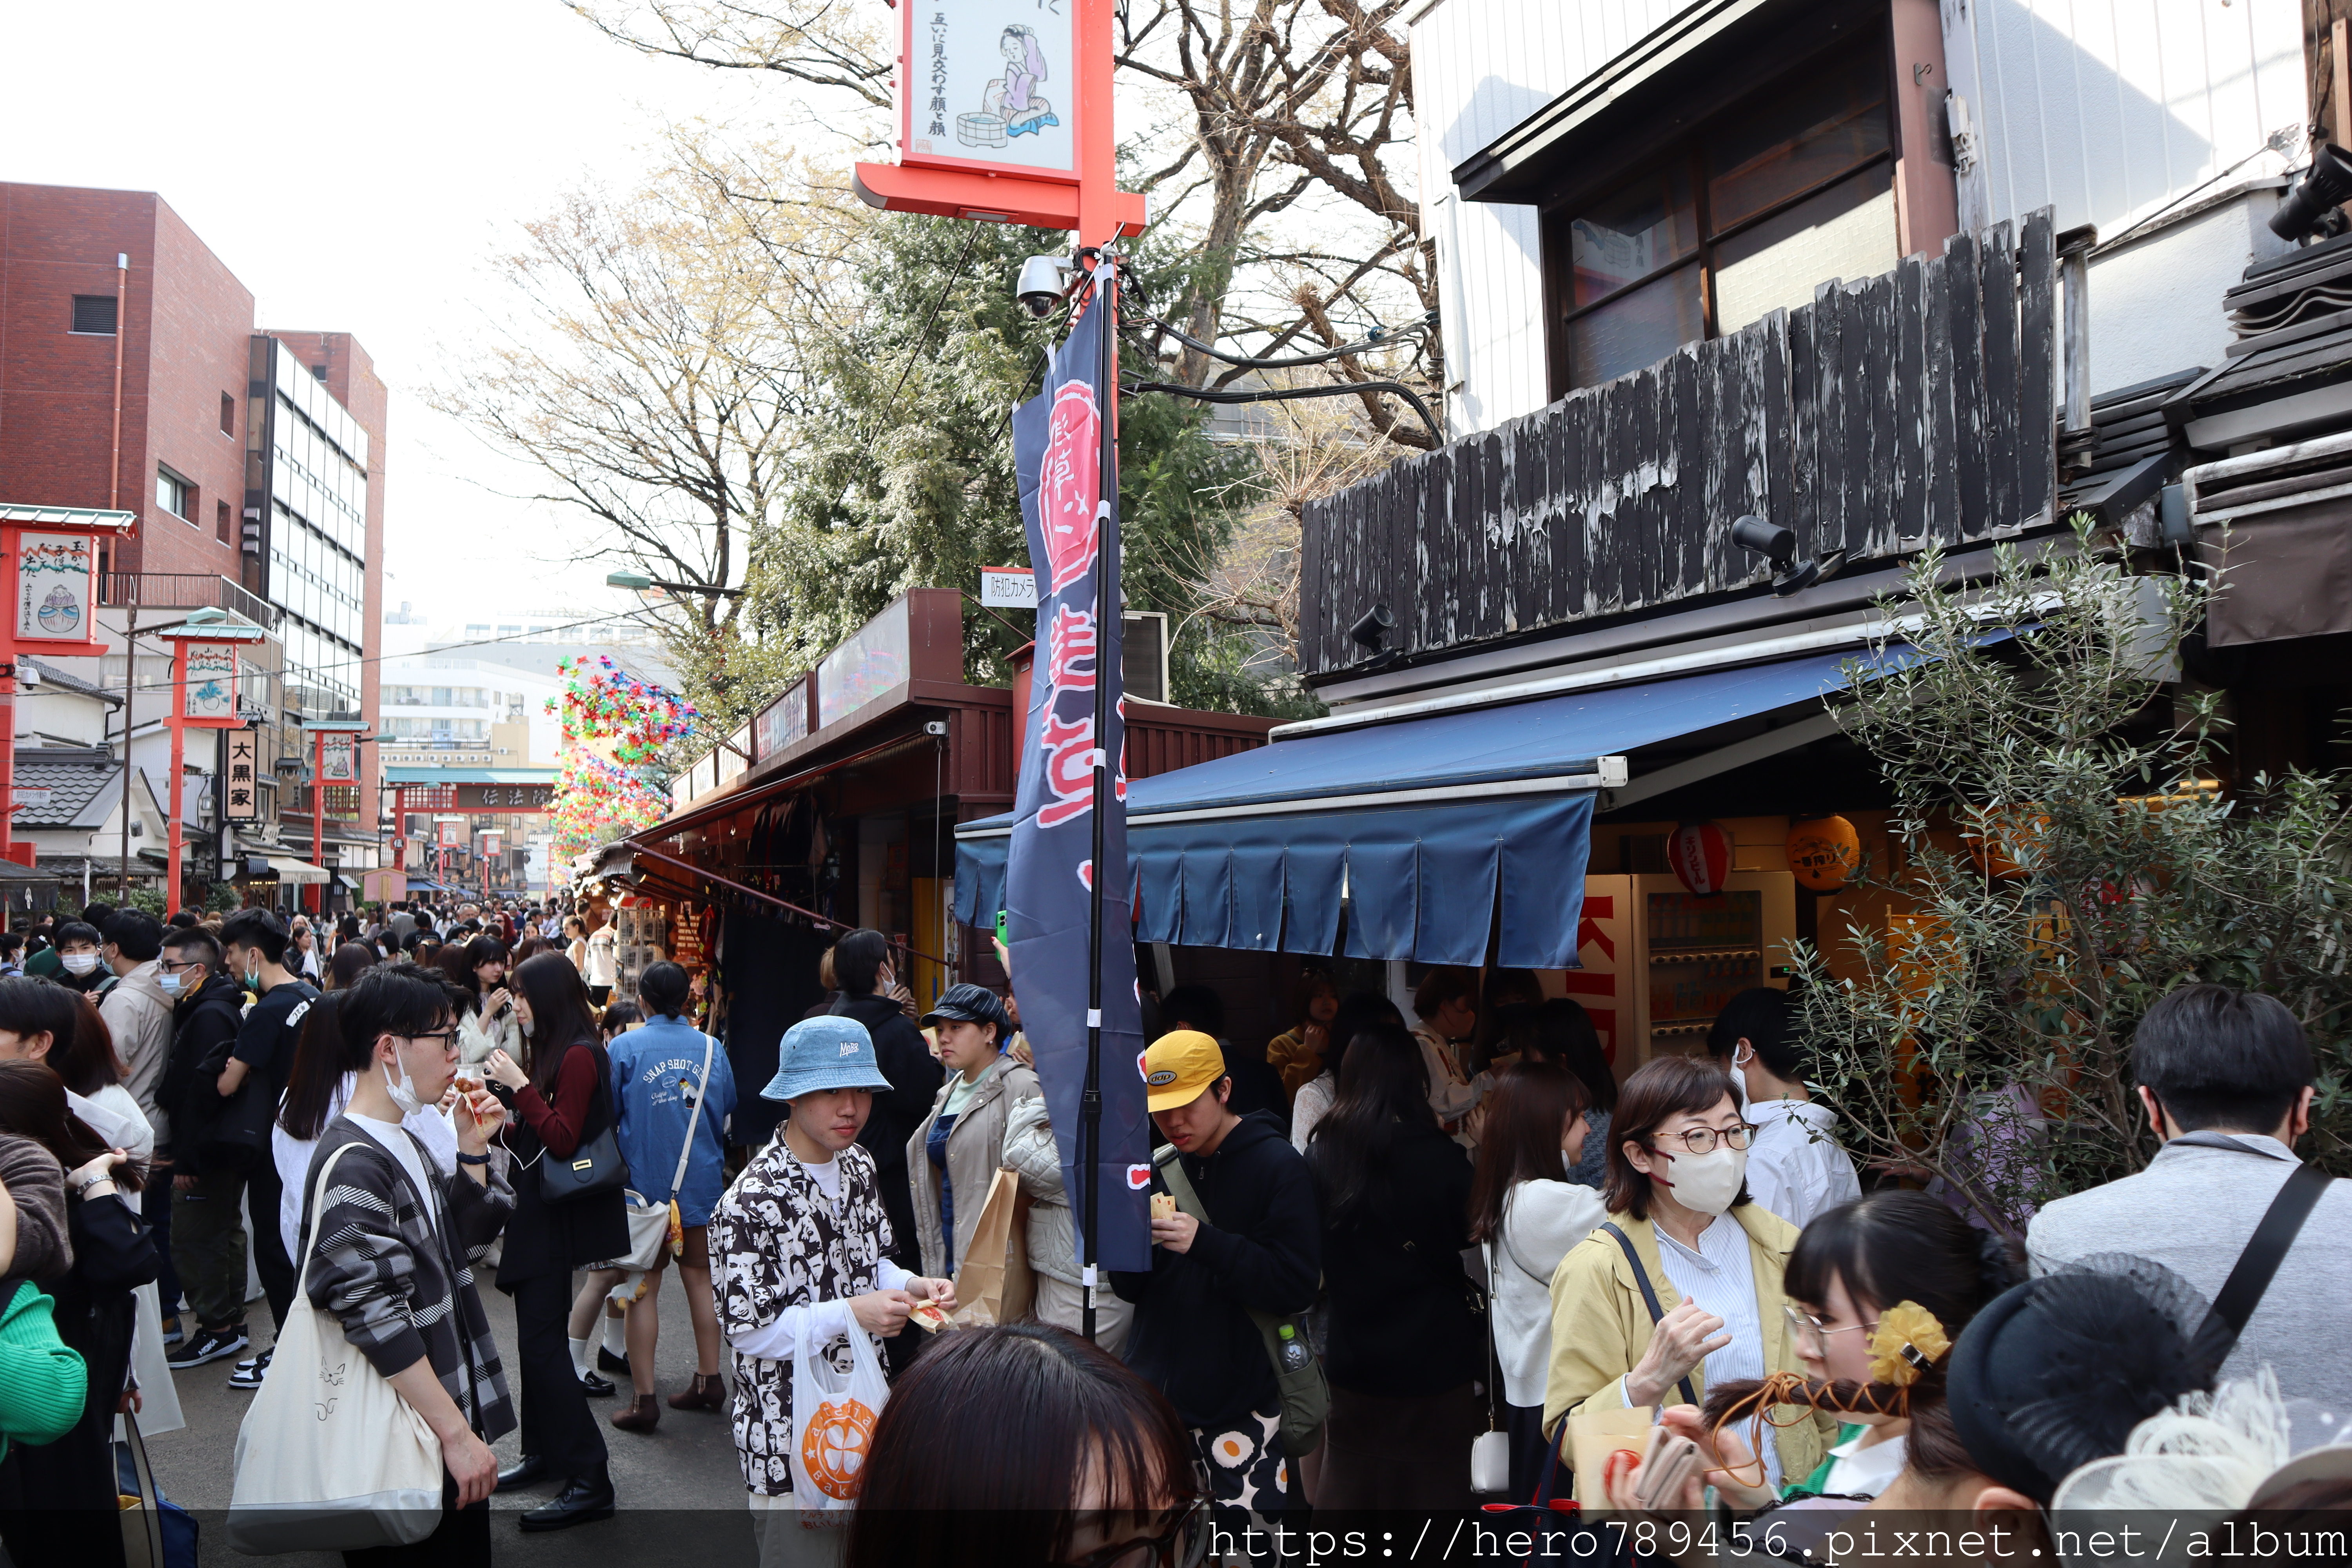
[654, 1065]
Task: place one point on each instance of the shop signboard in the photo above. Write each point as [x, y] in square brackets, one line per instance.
[240, 783]
[504, 797]
[870, 663]
[784, 722]
[53, 588]
[987, 86]
[209, 675]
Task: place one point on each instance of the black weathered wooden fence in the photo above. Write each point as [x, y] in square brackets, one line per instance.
[1915, 405]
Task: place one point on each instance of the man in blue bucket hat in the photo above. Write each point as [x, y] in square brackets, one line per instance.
[799, 1248]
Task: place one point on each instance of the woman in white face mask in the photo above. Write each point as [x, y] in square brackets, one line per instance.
[1681, 1287]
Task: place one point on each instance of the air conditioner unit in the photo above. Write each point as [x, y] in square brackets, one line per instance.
[253, 539]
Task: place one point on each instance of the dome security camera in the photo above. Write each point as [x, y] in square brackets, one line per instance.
[1040, 287]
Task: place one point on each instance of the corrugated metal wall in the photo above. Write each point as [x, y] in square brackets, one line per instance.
[2108, 110]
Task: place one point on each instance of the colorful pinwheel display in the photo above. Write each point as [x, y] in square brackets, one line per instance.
[601, 702]
[597, 801]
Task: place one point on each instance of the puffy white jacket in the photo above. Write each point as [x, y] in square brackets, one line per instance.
[1030, 1153]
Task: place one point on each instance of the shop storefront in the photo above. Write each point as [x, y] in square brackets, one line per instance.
[1626, 839]
[837, 807]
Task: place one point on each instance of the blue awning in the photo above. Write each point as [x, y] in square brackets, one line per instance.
[1422, 825]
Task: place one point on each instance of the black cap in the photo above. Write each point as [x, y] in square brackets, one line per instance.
[2055, 1372]
[972, 1004]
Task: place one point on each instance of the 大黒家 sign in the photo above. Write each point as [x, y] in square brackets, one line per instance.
[240, 784]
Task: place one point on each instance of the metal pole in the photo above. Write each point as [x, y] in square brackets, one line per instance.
[176, 720]
[319, 813]
[11, 541]
[1107, 490]
[130, 689]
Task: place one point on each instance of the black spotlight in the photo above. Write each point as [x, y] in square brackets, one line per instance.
[1777, 545]
[1370, 633]
[2312, 205]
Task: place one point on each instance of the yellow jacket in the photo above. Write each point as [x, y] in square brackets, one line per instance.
[1601, 1327]
[1288, 1055]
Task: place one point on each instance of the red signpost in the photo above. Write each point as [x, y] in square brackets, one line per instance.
[1006, 122]
[48, 574]
[339, 739]
[204, 687]
[1004, 116]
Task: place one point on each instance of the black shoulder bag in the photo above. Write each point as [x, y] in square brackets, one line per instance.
[595, 1166]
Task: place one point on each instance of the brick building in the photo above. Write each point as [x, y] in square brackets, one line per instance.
[132, 375]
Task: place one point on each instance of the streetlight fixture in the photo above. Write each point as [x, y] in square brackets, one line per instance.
[639, 583]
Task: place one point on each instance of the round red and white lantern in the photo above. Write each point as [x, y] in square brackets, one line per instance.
[1700, 853]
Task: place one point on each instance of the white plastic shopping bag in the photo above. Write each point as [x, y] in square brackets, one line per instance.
[832, 1424]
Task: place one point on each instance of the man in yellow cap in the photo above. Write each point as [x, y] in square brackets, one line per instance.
[1246, 1238]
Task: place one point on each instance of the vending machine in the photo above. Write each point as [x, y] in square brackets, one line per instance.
[1658, 961]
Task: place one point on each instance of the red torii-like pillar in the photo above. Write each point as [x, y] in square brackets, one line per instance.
[320, 730]
[204, 681]
[49, 573]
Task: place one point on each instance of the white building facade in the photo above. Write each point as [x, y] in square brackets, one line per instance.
[1687, 168]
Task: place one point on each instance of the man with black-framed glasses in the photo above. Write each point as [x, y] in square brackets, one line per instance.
[207, 1233]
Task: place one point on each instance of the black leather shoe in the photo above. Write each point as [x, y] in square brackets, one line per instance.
[583, 1500]
[595, 1387]
[607, 1362]
[528, 1470]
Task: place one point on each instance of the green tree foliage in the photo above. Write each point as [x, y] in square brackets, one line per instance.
[2064, 856]
[905, 477]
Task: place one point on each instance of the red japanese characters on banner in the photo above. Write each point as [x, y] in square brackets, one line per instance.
[1700, 853]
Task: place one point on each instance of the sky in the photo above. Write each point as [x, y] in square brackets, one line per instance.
[356, 166]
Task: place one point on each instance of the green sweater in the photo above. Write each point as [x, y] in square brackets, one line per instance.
[43, 1385]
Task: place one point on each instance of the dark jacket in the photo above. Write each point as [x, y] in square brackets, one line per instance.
[1193, 1336]
[914, 1073]
[204, 1034]
[915, 1078]
[1403, 1322]
[555, 1238]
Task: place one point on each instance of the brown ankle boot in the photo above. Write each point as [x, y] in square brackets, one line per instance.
[703, 1393]
[643, 1415]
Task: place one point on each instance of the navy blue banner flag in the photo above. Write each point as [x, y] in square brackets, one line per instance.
[1058, 439]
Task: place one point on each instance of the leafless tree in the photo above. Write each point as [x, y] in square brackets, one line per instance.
[821, 44]
[651, 381]
[1295, 108]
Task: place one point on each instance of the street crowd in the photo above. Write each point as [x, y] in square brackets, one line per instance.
[1424, 1262]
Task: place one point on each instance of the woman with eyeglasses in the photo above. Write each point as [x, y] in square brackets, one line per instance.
[1849, 1267]
[1682, 1287]
[1077, 1461]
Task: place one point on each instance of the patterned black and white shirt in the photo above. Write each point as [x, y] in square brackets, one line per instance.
[383, 1274]
[778, 1242]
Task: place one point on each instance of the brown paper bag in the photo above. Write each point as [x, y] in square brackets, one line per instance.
[993, 1284]
[1593, 1436]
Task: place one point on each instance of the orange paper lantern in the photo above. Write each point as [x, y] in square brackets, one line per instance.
[1824, 852]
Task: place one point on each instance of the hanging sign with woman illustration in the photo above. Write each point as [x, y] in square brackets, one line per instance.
[988, 84]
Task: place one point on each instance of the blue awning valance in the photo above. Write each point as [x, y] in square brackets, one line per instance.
[1421, 825]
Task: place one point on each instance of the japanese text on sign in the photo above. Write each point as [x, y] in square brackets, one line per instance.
[505, 797]
[240, 791]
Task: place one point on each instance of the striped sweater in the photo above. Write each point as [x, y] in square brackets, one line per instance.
[399, 1292]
